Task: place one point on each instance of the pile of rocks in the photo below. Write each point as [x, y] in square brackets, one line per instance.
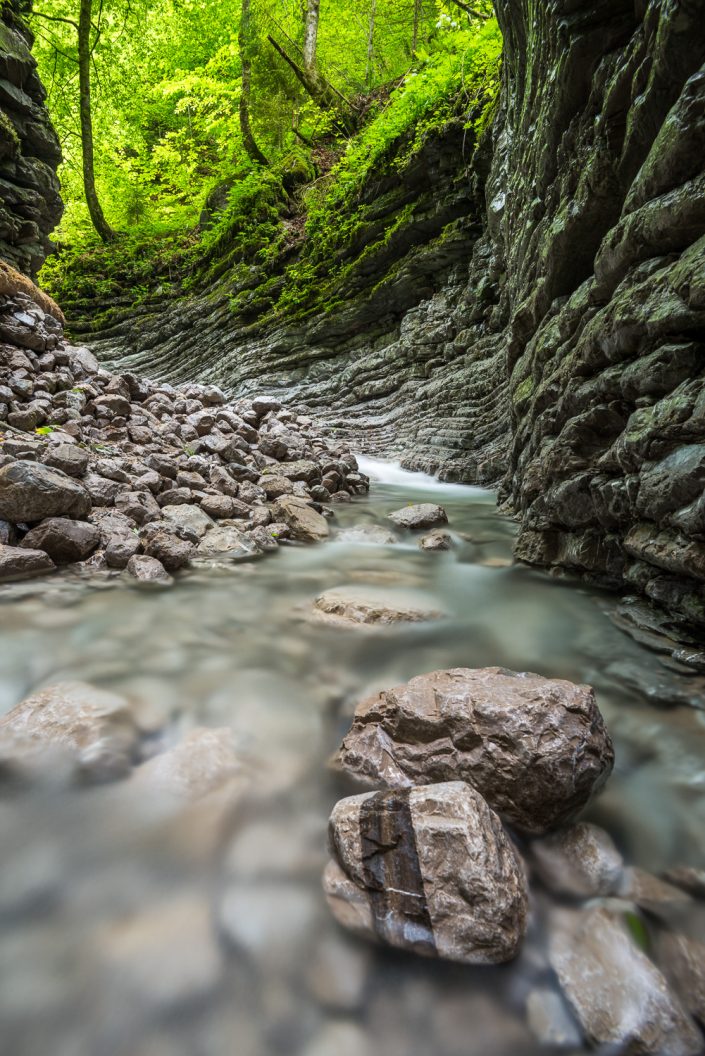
[427, 865]
[112, 472]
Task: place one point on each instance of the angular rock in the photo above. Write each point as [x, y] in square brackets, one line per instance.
[90, 727]
[682, 960]
[619, 997]
[422, 515]
[63, 540]
[202, 762]
[535, 748]
[226, 540]
[437, 540]
[428, 869]
[29, 492]
[18, 563]
[189, 516]
[305, 524]
[69, 458]
[351, 606]
[172, 552]
[149, 571]
[581, 861]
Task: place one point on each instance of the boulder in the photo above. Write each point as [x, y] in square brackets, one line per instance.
[63, 540]
[580, 861]
[536, 748]
[619, 997]
[422, 515]
[189, 516]
[30, 491]
[120, 548]
[304, 522]
[18, 563]
[148, 571]
[437, 540]
[91, 728]
[202, 762]
[167, 547]
[69, 458]
[353, 606]
[226, 540]
[428, 869]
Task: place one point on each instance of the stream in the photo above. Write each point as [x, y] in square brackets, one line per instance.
[124, 934]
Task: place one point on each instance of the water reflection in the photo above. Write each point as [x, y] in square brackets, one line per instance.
[135, 924]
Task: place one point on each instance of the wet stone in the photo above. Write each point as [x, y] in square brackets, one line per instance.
[63, 540]
[428, 869]
[421, 515]
[536, 748]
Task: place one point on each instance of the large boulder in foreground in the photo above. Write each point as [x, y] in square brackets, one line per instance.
[305, 523]
[429, 870]
[536, 748]
[30, 491]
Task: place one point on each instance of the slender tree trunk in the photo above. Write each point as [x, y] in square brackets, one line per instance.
[369, 72]
[248, 138]
[313, 11]
[417, 19]
[84, 82]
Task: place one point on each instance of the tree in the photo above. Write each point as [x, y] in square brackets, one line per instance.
[244, 41]
[87, 35]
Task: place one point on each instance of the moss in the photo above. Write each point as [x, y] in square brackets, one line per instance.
[524, 390]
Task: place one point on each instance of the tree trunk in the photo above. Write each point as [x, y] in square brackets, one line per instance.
[84, 82]
[313, 10]
[417, 18]
[322, 93]
[369, 72]
[248, 139]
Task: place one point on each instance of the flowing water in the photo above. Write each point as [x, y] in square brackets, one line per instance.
[126, 932]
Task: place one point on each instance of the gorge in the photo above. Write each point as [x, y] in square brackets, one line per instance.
[506, 317]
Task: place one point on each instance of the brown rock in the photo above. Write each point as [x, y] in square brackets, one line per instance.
[619, 997]
[63, 540]
[90, 727]
[581, 861]
[305, 524]
[422, 515]
[167, 547]
[535, 748]
[149, 571]
[69, 458]
[428, 869]
[18, 563]
[353, 606]
[30, 492]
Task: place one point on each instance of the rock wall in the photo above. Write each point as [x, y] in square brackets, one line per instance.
[542, 319]
[30, 205]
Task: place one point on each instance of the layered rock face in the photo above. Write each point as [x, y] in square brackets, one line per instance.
[30, 206]
[545, 309]
[596, 198]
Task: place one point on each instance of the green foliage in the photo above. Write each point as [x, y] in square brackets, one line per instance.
[167, 88]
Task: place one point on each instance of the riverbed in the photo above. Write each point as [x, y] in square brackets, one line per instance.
[127, 933]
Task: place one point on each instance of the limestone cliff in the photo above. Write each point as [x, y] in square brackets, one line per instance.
[30, 206]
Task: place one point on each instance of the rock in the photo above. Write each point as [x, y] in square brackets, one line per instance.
[550, 1020]
[63, 540]
[303, 521]
[18, 563]
[353, 606]
[90, 727]
[581, 861]
[535, 748]
[338, 973]
[275, 486]
[172, 552]
[432, 871]
[120, 548]
[374, 534]
[436, 541]
[682, 960]
[219, 506]
[654, 895]
[204, 761]
[619, 997]
[226, 540]
[29, 492]
[140, 506]
[187, 516]
[303, 470]
[688, 879]
[149, 571]
[262, 405]
[69, 458]
[422, 515]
